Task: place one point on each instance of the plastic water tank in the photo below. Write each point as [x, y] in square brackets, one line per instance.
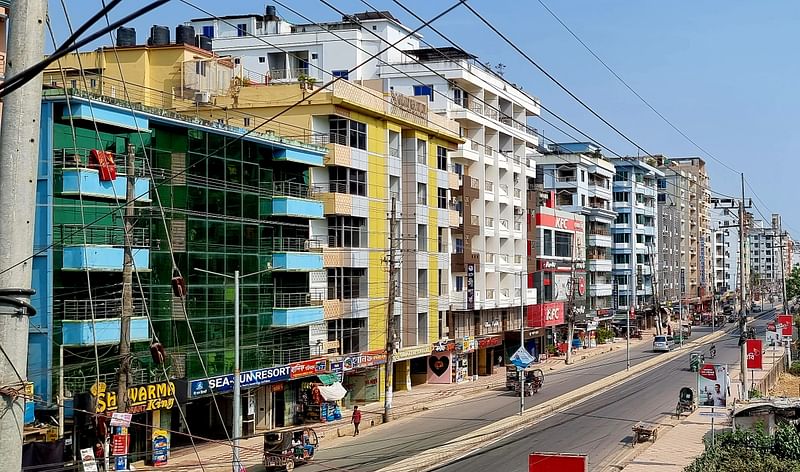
[159, 35]
[272, 13]
[204, 42]
[126, 36]
[184, 34]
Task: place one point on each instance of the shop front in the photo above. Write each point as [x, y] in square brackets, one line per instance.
[490, 353]
[360, 375]
[549, 318]
[534, 340]
[453, 361]
[410, 367]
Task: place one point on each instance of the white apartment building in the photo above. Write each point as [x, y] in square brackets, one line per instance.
[635, 235]
[581, 178]
[767, 256]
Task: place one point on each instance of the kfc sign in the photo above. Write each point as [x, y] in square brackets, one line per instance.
[558, 222]
[545, 314]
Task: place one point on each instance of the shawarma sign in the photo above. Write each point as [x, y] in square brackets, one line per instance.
[154, 396]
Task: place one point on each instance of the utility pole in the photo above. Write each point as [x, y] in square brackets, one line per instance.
[390, 329]
[742, 299]
[522, 343]
[632, 285]
[571, 304]
[127, 284]
[19, 160]
[654, 289]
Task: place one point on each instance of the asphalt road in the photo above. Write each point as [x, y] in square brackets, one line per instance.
[406, 437]
[601, 426]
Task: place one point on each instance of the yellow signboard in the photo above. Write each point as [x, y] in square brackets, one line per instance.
[155, 396]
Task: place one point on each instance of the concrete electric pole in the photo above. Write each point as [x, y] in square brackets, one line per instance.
[390, 329]
[19, 159]
[127, 284]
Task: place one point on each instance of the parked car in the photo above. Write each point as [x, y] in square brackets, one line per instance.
[755, 308]
[663, 343]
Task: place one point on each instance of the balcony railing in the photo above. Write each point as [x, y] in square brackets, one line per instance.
[291, 244]
[489, 222]
[81, 310]
[290, 73]
[488, 186]
[296, 300]
[566, 178]
[289, 189]
[78, 158]
[78, 235]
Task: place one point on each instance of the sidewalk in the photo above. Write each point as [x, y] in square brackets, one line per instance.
[678, 447]
[217, 455]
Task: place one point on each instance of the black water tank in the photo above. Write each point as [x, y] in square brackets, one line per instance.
[184, 34]
[159, 35]
[272, 13]
[126, 36]
[203, 42]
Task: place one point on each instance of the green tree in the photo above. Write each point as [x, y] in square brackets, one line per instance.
[793, 283]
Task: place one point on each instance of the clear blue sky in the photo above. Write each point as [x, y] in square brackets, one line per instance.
[725, 72]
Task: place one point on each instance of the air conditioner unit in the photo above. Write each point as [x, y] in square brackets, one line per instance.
[519, 211]
[202, 97]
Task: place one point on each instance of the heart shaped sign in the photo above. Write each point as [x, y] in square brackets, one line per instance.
[439, 365]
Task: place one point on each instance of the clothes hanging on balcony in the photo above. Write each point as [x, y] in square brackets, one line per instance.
[103, 161]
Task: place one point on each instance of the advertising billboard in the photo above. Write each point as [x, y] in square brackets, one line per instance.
[754, 349]
[557, 462]
[713, 384]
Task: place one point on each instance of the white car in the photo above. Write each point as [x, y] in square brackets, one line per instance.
[663, 343]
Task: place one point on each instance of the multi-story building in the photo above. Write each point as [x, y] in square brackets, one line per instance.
[495, 234]
[770, 258]
[635, 234]
[581, 179]
[671, 223]
[207, 197]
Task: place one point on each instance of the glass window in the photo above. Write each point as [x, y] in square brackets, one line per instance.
[459, 243]
[621, 196]
[208, 31]
[347, 231]
[422, 237]
[442, 235]
[547, 242]
[441, 158]
[422, 90]
[422, 283]
[621, 176]
[348, 132]
[422, 193]
[241, 29]
[422, 328]
[441, 197]
[563, 244]
[345, 74]
[459, 283]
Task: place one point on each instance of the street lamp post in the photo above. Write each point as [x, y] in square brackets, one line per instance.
[237, 383]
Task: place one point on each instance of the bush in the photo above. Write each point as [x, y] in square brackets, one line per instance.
[604, 334]
[751, 450]
[754, 393]
[794, 369]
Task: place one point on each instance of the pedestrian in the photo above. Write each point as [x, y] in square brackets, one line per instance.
[356, 420]
[100, 455]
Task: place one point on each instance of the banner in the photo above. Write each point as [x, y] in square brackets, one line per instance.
[712, 385]
[785, 325]
[160, 447]
[754, 349]
[772, 335]
[557, 462]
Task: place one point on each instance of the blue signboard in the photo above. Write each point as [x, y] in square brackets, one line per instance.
[251, 378]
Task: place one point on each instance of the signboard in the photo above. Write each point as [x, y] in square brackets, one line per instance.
[412, 352]
[785, 325]
[772, 335]
[360, 360]
[754, 350]
[251, 378]
[683, 282]
[160, 447]
[489, 341]
[522, 358]
[470, 286]
[308, 368]
[155, 396]
[545, 314]
[88, 459]
[615, 295]
[121, 419]
[119, 444]
[560, 265]
[558, 222]
[557, 462]
[712, 385]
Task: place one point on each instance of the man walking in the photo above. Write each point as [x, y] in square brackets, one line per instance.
[356, 420]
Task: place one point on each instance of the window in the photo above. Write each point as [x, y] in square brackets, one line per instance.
[422, 151]
[662, 183]
[347, 180]
[314, 55]
[442, 322]
[422, 90]
[241, 29]
[221, 121]
[441, 158]
[346, 283]
[459, 283]
[237, 61]
[422, 328]
[563, 244]
[422, 237]
[583, 200]
[442, 283]
[623, 218]
[459, 97]
[621, 196]
[246, 121]
[459, 246]
[93, 83]
[442, 237]
[73, 83]
[422, 193]
[261, 59]
[347, 231]
[351, 334]
[208, 31]
[622, 258]
[547, 242]
[441, 198]
[422, 283]
[583, 175]
[622, 238]
[345, 74]
[200, 68]
[348, 132]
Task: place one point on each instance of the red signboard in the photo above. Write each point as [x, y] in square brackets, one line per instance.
[754, 350]
[307, 368]
[545, 314]
[490, 341]
[558, 222]
[119, 444]
[555, 462]
[785, 324]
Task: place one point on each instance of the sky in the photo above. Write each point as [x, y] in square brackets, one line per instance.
[722, 71]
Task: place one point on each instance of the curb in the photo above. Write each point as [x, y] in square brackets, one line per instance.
[454, 448]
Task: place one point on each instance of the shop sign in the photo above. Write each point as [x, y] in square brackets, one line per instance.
[470, 286]
[121, 419]
[89, 461]
[412, 352]
[251, 378]
[467, 344]
[155, 396]
[489, 341]
[160, 447]
[338, 369]
[558, 222]
[546, 314]
[119, 444]
[407, 104]
[561, 265]
[361, 360]
[754, 353]
[785, 325]
[308, 368]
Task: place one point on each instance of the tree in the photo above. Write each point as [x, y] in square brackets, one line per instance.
[793, 283]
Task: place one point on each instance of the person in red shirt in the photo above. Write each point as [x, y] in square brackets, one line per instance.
[356, 420]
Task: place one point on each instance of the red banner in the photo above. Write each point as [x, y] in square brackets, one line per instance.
[119, 444]
[545, 314]
[307, 368]
[555, 462]
[785, 324]
[754, 349]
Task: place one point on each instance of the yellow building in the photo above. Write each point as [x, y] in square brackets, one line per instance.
[381, 146]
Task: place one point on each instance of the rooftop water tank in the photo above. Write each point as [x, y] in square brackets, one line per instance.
[184, 34]
[204, 42]
[126, 36]
[159, 35]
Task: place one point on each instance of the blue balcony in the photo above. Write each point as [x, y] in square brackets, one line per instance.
[87, 182]
[106, 331]
[297, 316]
[103, 258]
[106, 115]
[301, 157]
[296, 261]
[292, 206]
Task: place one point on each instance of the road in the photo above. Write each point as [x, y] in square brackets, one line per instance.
[601, 426]
[403, 438]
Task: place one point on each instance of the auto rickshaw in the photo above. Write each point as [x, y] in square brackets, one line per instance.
[534, 379]
[685, 401]
[696, 359]
[281, 454]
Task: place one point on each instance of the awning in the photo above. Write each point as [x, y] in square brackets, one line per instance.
[328, 379]
[332, 393]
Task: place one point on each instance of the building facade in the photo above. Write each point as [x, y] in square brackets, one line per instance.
[581, 179]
